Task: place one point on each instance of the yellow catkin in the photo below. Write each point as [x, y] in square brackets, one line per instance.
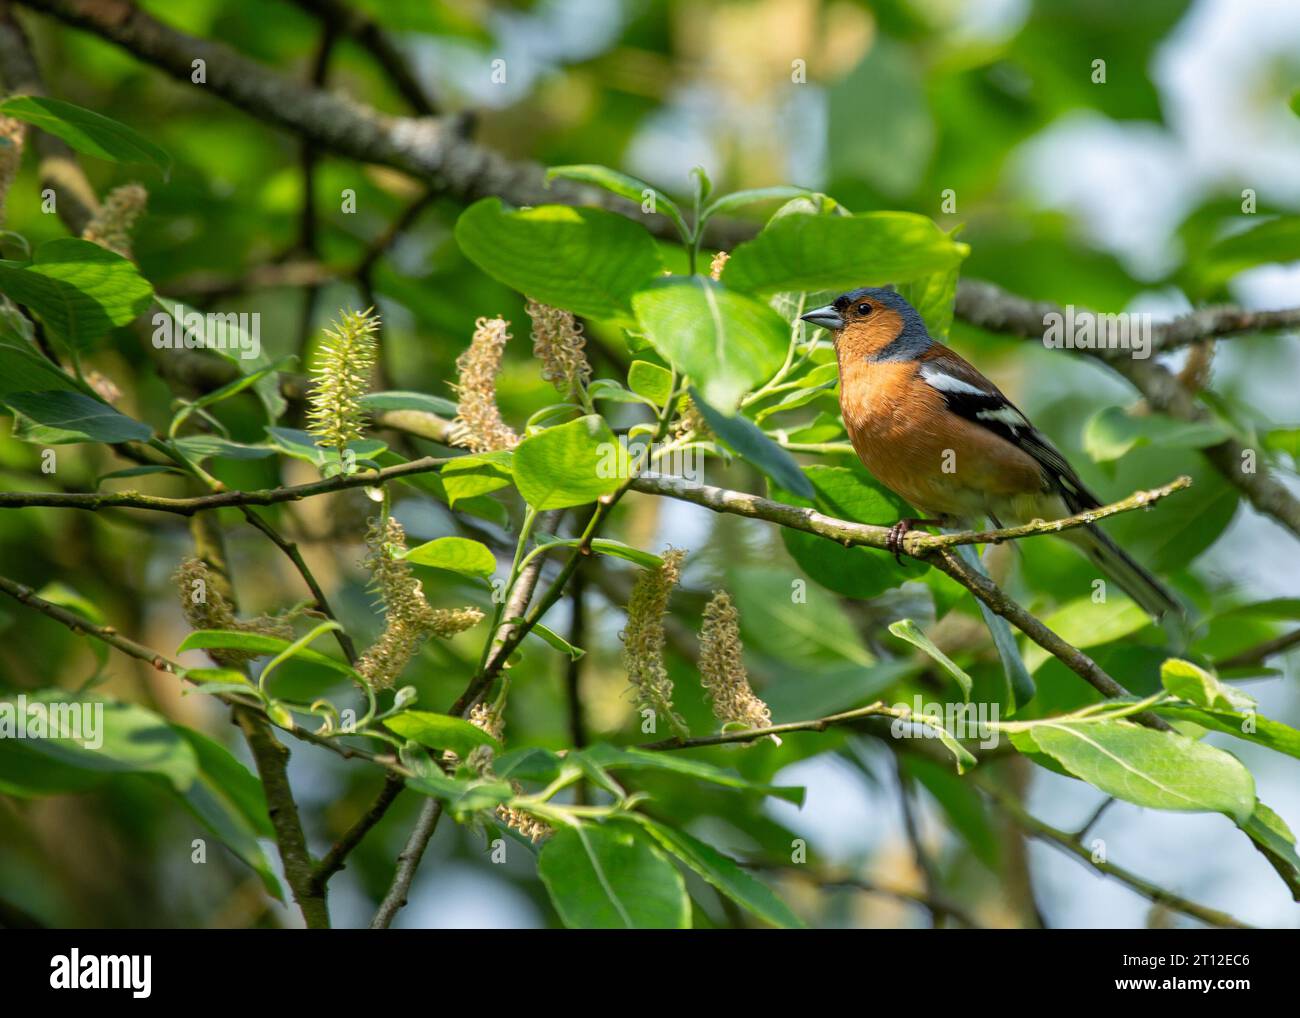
[341, 376]
[559, 344]
[722, 667]
[11, 156]
[479, 424]
[111, 227]
[643, 640]
[409, 617]
[205, 607]
[718, 264]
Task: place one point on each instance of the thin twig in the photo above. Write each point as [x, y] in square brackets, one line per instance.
[1066, 841]
[336, 858]
[933, 902]
[95, 501]
[290, 549]
[1260, 652]
[408, 861]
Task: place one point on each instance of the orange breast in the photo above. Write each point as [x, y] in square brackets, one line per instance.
[904, 434]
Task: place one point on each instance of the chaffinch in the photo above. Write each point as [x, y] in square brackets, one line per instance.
[940, 435]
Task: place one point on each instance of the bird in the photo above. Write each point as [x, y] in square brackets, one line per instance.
[931, 428]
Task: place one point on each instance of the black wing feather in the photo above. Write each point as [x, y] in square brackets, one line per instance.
[980, 401]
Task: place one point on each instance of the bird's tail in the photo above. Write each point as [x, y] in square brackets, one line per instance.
[1116, 563]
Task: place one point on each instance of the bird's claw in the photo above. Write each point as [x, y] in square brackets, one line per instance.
[894, 542]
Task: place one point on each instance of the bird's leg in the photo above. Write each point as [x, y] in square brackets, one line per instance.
[894, 542]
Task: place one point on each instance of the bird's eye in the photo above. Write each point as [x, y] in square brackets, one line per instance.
[864, 309]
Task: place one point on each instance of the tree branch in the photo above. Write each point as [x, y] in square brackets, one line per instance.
[1260, 652]
[991, 307]
[408, 861]
[339, 18]
[430, 148]
[95, 501]
[336, 858]
[1066, 841]
[272, 759]
[877, 709]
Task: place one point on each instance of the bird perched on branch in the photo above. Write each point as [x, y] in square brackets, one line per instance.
[943, 437]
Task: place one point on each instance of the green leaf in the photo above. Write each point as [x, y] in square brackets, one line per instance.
[1241, 724]
[62, 417]
[567, 465]
[456, 554]
[722, 872]
[848, 493]
[130, 740]
[376, 402]
[604, 877]
[468, 476]
[728, 203]
[79, 289]
[260, 645]
[615, 758]
[747, 439]
[304, 446]
[440, 731]
[553, 638]
[87, 131]
[202, 447]
[586, 261]
[726, 342]
[617, 549]
[1274, 839]
[216, 676]
[223, 334]
[906, 629]
[464, 796]
[530, 763]
[806, 252]
[23, 370]
[1161, 770]
[624, 186]
[1271, 241]
[1195, 685]
[1110, 433]
[651, 381]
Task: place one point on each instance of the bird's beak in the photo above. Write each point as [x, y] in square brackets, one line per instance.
[827, 317]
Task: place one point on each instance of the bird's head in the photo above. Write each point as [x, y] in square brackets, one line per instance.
[873, 323]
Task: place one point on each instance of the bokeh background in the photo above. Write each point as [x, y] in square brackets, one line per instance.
[1100, 195]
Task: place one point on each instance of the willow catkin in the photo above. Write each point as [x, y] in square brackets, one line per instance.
[643, 639]
[479, 424]
[112, 226]
[205, 607]
[559, 344]
[341, 376]
[409, 618]
[722, 667]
